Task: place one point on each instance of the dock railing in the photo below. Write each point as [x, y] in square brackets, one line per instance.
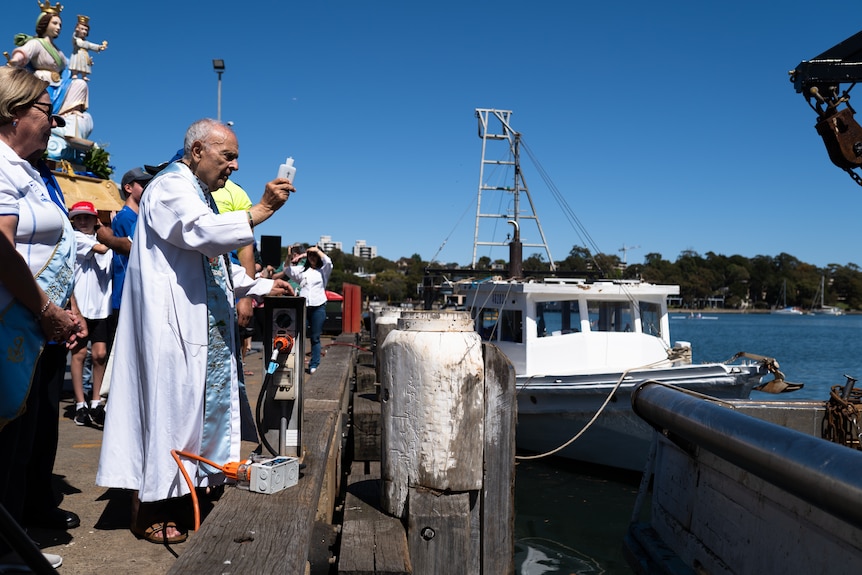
[819, 472]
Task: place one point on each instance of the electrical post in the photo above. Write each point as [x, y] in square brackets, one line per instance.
[280, 401]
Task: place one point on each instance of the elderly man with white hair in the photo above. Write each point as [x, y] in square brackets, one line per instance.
[174, 384]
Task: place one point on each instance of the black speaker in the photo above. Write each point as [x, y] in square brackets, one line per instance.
[270, 251]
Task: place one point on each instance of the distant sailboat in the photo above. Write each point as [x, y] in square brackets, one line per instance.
[822, 308]
[785, 309]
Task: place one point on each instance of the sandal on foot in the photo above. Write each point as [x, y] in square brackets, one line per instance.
[155, 533]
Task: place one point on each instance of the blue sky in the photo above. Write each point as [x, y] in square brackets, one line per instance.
[670, 125]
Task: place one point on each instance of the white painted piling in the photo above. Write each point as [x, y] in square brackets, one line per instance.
[383, 315]
[432, 396]
[384, 321]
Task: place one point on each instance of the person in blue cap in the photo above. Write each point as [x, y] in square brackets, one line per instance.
[119, 235]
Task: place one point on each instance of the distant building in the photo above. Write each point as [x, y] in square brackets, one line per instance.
[363, 251]
[327, 245]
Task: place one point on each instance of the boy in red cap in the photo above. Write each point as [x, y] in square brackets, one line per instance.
[93, 271]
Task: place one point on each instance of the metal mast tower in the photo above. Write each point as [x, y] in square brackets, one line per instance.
[502, 132]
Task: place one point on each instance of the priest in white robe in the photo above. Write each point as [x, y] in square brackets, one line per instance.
[175, 382]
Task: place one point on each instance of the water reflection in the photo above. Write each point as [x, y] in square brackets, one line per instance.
[538, 556]
[571, 517]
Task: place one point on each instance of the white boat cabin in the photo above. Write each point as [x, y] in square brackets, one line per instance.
[569, 326]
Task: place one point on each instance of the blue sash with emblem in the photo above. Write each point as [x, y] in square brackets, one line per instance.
[21, 334]
[221, 343]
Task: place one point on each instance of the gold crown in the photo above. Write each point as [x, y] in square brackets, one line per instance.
[85, 20]
[46, 7]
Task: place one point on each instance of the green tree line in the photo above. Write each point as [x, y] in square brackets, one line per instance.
[736, 280]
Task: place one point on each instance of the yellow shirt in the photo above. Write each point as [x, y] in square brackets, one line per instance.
[231, 198]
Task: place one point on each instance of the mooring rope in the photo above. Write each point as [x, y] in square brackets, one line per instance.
[589, 424]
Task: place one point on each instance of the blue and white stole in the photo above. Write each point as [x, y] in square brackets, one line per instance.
[216, 436]
[20, 332]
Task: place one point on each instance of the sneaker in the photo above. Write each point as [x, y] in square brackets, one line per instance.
[97, 415]
[82, 416]
[54, 560]
[13, 563]
[312, 370]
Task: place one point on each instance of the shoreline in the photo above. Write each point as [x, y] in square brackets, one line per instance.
[680, 310]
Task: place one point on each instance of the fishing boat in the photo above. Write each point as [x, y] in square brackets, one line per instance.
[820, 308]
[580, 345]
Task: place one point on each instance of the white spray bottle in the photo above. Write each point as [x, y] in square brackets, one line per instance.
[287, 170]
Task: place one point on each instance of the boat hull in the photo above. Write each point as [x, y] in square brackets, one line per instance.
[552, 410]
[745, 487]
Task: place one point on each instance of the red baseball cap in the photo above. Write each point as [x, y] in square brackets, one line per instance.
[83, 208]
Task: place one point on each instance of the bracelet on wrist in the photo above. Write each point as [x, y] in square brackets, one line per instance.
[250, 220]
[43, 310]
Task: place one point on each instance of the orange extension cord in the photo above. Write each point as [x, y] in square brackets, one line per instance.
[235, 470]
[231, 470]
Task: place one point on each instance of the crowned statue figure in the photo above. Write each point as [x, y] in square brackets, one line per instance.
[80, 62]
[69, 96]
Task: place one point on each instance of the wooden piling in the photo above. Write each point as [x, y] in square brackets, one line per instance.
[451, 525]
[447, 450]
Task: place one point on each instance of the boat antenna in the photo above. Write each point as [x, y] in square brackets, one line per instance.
[516, 253]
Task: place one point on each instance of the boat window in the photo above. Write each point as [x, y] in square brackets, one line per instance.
[650, 318]
[500, 325]
[610, 316]
[557, 317]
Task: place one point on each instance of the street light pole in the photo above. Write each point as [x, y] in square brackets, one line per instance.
[218, 66]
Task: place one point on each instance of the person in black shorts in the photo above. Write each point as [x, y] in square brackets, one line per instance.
[93, 274]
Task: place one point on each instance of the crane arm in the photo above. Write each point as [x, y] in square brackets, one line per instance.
[820, 81]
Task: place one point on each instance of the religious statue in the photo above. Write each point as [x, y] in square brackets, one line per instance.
[81, 62]
[69, 96]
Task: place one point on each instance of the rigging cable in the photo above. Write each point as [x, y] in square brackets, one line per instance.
[574, 222]
[446, 239]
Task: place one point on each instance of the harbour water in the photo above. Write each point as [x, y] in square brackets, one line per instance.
[571, 518]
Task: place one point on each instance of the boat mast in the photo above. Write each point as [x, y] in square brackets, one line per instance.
[822, 292]
[503, 133]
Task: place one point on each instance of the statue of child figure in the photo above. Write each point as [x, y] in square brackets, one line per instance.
[80, 61]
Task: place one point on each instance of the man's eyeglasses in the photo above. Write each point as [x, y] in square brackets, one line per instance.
[48, 109]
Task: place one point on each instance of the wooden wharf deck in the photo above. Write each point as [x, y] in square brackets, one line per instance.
[332, 522]
[291, 531]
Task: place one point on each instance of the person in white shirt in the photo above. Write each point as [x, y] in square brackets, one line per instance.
[37, 248]
[93, 281]
[312, 278]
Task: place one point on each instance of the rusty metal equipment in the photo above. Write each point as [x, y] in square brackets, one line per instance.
[820, 81]
[775, 385]
[843, 421]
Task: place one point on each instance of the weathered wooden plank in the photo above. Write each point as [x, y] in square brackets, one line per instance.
[372, 543]
[331, 478]
[366, 379]
[331, 391]
[365, 358]
[257, 533]
[324, 539]
[366, 428]
[498, 506]
[384, 541]
[260, 533]
[438, 532]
